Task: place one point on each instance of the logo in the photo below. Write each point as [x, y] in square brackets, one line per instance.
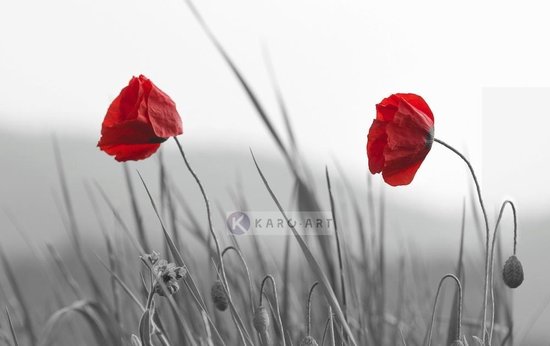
[318, 223]
[238, 223]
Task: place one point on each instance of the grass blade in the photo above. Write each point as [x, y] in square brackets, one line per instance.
[12, 329]
[27, 322]
[338, 245]
[136, 212]
[329, 294]
[145, 328]
[73, 224]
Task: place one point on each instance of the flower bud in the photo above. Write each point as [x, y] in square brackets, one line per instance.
[512, 273]
[261, 320]
[308, 341]
[219, 297]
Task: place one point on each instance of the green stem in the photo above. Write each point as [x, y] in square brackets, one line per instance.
[487, 232]
[245, 266]
[150, 300]
[277, 310]
[500, 214]
[212, 233]
[308, 308]
[459, 322]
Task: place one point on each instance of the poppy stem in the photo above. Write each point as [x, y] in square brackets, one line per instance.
[500, 214]
[308, 308]
[211, 228]
[459, 312]
[208, 211]
[487, 232]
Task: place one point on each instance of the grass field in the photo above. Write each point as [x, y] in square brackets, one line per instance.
[91, 291]
[186, 281]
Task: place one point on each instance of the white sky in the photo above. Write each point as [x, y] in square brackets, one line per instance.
[62, 62]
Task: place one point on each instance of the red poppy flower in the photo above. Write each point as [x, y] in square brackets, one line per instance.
[138, 120]
[400, 137]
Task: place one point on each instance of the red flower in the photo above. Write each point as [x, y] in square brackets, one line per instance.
[138, 120]
[400, 137]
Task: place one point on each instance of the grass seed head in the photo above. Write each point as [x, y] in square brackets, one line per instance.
[152, 258]
[219, 297]
[512, 273]
[261, 319]
[169, 274]
[308, 341]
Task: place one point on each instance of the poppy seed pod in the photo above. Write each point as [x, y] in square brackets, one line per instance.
[308, 341]
[512, 273]
[261, 319]
[219, 297]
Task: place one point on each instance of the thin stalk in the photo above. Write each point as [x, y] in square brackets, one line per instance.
[244, 84]
[503, 206]
[149, 306]
[136, 211]
[191, 285]
[210, 227]
[12, 329]
[325, 331]
[73, 225]
[325, 284]
[277, 311]
[280, 99]
[331, 327]
[487, 232]
[208, 211]
[382, 269]
[286, 280]
[23, 304]
[338, 246]
[247, 271]
[459, 323]
[308, 309]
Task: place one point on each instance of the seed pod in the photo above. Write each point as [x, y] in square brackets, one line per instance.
[512, 273]
[261, 319]
[308, 341]
[457, 343]
[219, 297]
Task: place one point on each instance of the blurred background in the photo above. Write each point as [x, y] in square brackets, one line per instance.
[482, 68]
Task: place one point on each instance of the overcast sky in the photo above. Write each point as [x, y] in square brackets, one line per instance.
[62, 62]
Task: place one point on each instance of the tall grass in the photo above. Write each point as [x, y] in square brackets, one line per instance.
[357, 305]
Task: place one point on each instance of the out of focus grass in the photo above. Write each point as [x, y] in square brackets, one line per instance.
[88, 294]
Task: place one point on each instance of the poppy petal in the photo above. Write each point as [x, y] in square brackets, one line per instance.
[407, 132]
[386, 109]
[403, 176]
[130, 132]
[377, 140]
[163, 115]
[126, 152]
[418, 102]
